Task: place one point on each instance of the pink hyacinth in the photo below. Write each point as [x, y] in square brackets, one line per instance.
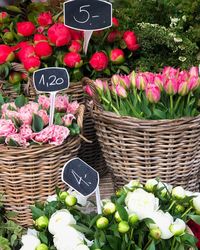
[141, 81]
[68, 119]
[88, 90]
[26, 132]
[61, 103]
[194, 71]
[171, 86]
[43, 114]
[153, 93]
[44, 102]
[193, 83]
[7, 127]
[125, 81]
[121, 92]
[18, 139]
[59, 135]
[72, 107]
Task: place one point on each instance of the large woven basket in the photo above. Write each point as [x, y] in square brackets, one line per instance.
[32, 174]
[143, 149]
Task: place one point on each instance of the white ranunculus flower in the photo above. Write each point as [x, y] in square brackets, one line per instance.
[80, 198]
[141, 203]
[165, 188]
[150, 184]
[68, 239]
[163, 221]
[196, 204]
[52, 198]
[178, 192]
[60, 219]
[178, 227]
[30, 242]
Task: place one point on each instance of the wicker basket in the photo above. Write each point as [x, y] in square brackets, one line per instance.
[32, 174]
[143, 149]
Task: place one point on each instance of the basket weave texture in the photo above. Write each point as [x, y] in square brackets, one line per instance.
[32, 174]
[144, 149]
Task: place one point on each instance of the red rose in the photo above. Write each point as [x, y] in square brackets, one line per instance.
[76, 35]
[75, 46]
[45, 18]
[73, 60]
[6, 54]
[4, 17]
[25, 28]
[115, 22]
[39, 38]
[99, 61]
[59, 34]
[43, 50]
[113, 36]
[32, 63]
[26, 52]
[117, 56]
[130, 39]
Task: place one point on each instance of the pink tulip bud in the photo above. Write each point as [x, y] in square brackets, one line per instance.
[150, 77]
[171, 86]
[88, 90]
[183, 76]
[132, 78]
[153, 93]
[170, 72]
[99, 85]
[113, 90]
[183, 88]
[158, 81]
[141, 81]
[193, 83]
[194, 71]
[125, 81]
[115, 79]
[121, 92]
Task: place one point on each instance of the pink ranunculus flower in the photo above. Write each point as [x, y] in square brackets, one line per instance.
[31, 107]
[121, 92]
[68, 119]
[61, 103]
[141, 81]
[18, 139]
[25, 116]
[72, 107]
[44, 101]
[125, 81]
[152, 93]
[7, 127]
[194, 83]
[194, 71]
[171, 86]
[60, 133]
[43, 114]
[26, 132]
[45, 135]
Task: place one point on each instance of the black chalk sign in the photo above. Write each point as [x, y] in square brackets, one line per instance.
[51, 79]
[80, 176]
[88, 14]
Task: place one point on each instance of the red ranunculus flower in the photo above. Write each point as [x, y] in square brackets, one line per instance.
[4, 17]
[73, 60]
[76, 35]
[45, 18]
[6, 54]
[26, 52]
[32, 63]
[114, 35]
[99, 61]
[59, 34]
[39, 38]
[43, 50]
[25, 28]
[75, 46]
[117, 56]
[115, 22]
[130, 39]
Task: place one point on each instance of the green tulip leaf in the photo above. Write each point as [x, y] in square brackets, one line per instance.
[37, 124]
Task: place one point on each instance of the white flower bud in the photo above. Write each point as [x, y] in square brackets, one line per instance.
[196, 204]
[178, 193]
[134, 184]
[109, 208]
[150, 184]
[178, 227]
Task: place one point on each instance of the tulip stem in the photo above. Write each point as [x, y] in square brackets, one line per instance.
[187, 211]
[109, 103]
[171, 106]
[177, 103]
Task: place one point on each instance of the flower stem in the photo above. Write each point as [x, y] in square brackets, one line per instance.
[173, 243]
[171, 106]
[148, 243]
[187, 211]
[171, 205]
[109, 103]
[177, 103]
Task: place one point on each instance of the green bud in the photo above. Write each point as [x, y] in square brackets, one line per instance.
[179, 208]
[119, 192]
[42, 247]
[133, 219]
[123, 227]
[155, 233]
[117, 217]
[8, 37]
[109, 208]
[70, 200]
[42, 222]
[63, 195]
[102, 223]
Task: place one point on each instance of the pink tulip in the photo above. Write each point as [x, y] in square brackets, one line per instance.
[171, 86]
[153, 93]
[113, 90]
[125, 81]
[88, 90]
[132, 78]
[194, 71]
[158, 81]
[150, 77]
[115, 79]
[170, 72]
[183, 88]
[99, 85]
[183, 76]
[141, 81]
[193, 83]
[121, 92]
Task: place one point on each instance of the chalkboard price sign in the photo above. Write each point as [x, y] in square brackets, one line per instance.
[88, 14]
[80, 176]
[51, 79]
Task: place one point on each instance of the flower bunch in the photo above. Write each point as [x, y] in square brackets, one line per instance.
[43, 40]
[167, 95]
[23, 123]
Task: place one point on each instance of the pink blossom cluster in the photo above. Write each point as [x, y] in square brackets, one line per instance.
[16, 122]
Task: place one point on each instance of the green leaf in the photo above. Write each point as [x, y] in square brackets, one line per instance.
[125, 69]
[195, 218]
[1, 99]
[43, 238]
[36, 212]
[4, 244]
[13, 143]
[13, 8]
[37, 124]
[58, 119]
[93, 221]
[17, 87]
[114, 242]
[13, 239]
[189, 239]
[2, 140]
[83, 229]
[151, 246]
[20, 101]
[159, 114]
[122, 212]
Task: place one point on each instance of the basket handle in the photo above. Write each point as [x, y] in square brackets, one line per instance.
[81, 111]
[95, 97]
